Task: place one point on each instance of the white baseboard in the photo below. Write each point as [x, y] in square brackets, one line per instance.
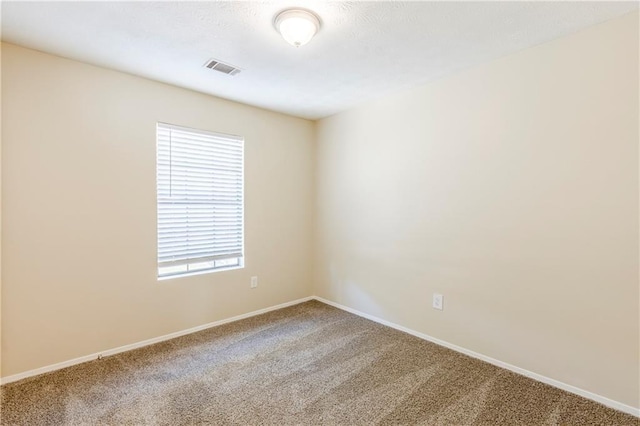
[535, 376]
[555, 383]
[69, 363]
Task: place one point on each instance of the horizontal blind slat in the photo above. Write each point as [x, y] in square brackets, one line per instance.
[198, 153]
[173, 240]
[204, 234]
[200, 259]
[199, 254]
[179, 250]
[171, 250]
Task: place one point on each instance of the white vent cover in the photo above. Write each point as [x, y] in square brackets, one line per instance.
[216, 65]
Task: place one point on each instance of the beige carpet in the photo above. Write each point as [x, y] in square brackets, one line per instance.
[309, 364]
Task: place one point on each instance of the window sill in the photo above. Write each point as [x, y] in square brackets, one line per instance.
[205, 271]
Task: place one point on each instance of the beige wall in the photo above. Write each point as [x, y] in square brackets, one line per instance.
[78, 175]
[512, 189]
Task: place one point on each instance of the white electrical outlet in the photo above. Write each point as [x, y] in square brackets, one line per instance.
[438, 301]
[254, 282]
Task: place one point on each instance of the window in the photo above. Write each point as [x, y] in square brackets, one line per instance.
[200, 201]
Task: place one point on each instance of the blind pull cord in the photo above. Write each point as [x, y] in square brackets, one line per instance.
[170, 162]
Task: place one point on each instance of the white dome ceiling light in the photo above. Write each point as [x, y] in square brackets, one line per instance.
[297, 26]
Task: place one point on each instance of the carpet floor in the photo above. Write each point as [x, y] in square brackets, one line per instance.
[309, 364]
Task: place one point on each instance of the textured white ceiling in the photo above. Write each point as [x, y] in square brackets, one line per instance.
[363, 50]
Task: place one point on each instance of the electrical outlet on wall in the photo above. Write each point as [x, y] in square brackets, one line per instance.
[254, 282]
[438, 301]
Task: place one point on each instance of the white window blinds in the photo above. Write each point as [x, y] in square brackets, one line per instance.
[200, 200]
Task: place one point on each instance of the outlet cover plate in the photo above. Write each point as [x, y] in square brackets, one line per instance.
[438, 301]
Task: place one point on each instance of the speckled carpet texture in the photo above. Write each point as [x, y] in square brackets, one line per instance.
[310, 364]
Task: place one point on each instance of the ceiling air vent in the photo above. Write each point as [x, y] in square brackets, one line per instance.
[222, 67]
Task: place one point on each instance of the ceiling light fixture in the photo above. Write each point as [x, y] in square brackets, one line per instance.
[297, 26]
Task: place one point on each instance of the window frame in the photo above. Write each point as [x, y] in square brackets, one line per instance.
[241, 260]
